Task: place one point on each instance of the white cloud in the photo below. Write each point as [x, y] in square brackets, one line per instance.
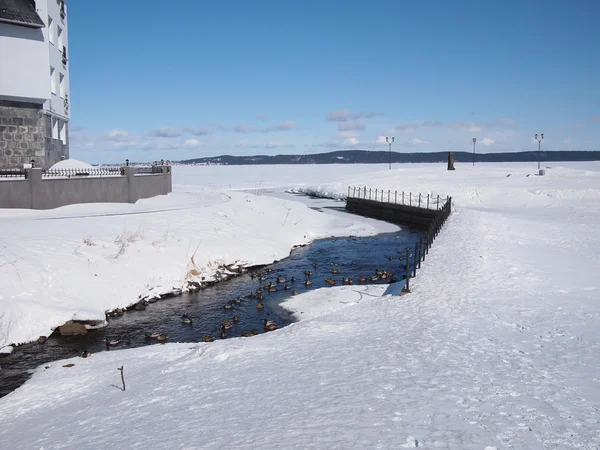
[355, 125]
[199, 131]
[285, 125]
[243, 128]
[342, 115]
[380, 140]
[277, 144]
[417, 142]
[168, 132]
[432, 123]
[351, 141]
[117, 135]
[192, 143]
[487, 141]
[566, 140]
[477, 127]
[405, 129]
[262, 117]
[339, 116]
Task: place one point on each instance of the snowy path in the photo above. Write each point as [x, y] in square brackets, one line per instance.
[497, 346]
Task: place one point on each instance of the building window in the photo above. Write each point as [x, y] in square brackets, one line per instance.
[63, 132]
[60, 38]
[54, 128]
[52, 80]
[50, 30]
[61, 78]
[63, 8]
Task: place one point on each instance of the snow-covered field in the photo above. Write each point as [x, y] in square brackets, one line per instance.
[498, 346]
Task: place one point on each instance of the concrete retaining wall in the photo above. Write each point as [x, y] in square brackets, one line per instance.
[36, 192]
[390, 212]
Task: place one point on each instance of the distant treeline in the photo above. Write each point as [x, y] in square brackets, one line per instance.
[378, 157]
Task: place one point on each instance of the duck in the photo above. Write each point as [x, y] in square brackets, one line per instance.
[375, 278]
[247, 334]
[152, 335]
[186, 319]
[335, 271]
[287, 287]
[347, 280]
[119, 311]
[226, 324]
[162, 337]
[85, 354]
[307, 282]
[293, 279]
[112, 341]
[260, 306]
[254, 331]
[238, 300]
[281, 280]
[273, 289]
[207, 338]
[236, 319]
[308, 273]
[315, 265]
[294, 292]
[227, 306]
[262, 278]
[269, 325]
[223, 332]
[362, 279]
[42, 339]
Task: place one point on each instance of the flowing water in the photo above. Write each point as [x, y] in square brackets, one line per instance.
[353, 257]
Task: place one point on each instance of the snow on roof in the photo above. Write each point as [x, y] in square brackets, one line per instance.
[71, 164]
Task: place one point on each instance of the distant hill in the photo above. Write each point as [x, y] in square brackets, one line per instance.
[378, 157]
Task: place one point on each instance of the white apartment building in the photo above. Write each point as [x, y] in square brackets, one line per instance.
[34, 82]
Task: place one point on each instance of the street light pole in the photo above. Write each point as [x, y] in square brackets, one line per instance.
[390, 144]
[539, 147]
[474, 140]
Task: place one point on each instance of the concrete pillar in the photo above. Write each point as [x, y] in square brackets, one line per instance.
[166, 173]
[129, 172]
[34, 178]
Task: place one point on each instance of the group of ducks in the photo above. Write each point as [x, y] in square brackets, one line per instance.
[226, 325]
[380, 275]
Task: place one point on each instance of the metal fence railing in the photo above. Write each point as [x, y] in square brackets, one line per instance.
[89, 172]
[428, 201]
[440, 208]
[13, 173]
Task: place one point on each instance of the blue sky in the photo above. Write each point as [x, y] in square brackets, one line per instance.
[154, 79]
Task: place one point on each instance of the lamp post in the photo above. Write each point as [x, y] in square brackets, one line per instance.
[474, 140]
[390, 144]
[539, 147]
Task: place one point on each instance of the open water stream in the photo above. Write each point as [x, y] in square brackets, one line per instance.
[334, 258]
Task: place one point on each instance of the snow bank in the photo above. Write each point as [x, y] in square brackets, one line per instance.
[78, 261]
[497, 346]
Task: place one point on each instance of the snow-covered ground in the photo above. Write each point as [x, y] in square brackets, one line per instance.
[498, 345]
